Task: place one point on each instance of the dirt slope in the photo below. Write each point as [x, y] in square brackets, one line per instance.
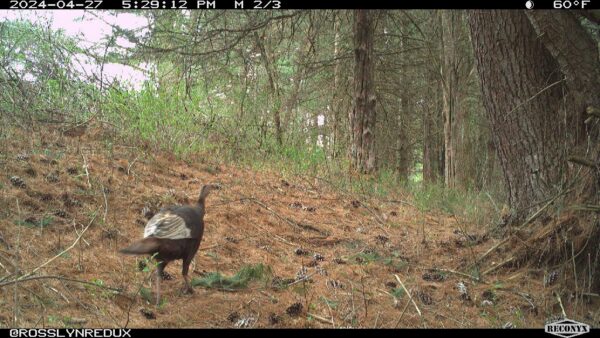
[65, 184]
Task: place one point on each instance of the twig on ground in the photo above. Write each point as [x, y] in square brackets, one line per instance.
[402, 314]
[20, 280]
[531, 218]
[477, 279]
[561, 304]
[409, 295]
[510, 259]
[85, 167]
[105, 204]
[321, 319]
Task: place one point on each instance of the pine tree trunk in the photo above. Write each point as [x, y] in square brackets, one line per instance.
[362, 116]
[523, 96]
[577, 55]
[433, 166]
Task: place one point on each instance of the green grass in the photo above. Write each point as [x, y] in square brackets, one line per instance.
[331, 303]
[240, 280]
[44, 222]
[472, 206]
[366, 258]
[398, 293]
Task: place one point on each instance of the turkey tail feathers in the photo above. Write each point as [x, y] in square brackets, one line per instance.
[144, 247]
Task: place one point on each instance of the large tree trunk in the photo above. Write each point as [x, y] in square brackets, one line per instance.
[523, 96]
[362, 116]
[577, 55]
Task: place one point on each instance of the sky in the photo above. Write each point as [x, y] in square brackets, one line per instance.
[91, 29]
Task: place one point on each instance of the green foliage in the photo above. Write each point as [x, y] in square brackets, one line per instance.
[475, 207]
[32, 223]
[37, 78]
[240, 280]
[147, 295]
[398, 293]
[331, 303]
[366, 258]
[220, 107]
[395, 263]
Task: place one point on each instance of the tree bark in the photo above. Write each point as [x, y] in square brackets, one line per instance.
[523, 95]
[335, 99]
[433, 143]
[362, 116]
[449, 91]
[577, 55]
[404, 144]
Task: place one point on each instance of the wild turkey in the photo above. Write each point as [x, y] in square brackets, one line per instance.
[173, 233]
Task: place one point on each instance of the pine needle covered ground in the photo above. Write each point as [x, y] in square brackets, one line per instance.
[278, 250]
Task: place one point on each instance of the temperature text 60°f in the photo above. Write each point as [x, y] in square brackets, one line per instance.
[566, 4]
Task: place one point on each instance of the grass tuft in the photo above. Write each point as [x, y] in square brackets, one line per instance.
[240, 280]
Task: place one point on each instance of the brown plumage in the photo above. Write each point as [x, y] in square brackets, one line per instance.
[173, 233]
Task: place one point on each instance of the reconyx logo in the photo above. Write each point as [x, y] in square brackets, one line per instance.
[567, 328]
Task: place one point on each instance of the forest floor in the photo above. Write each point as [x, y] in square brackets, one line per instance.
[361, 253]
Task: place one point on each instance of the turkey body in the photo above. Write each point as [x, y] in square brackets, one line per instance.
[173, 233]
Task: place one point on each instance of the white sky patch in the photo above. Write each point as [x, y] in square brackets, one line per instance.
[92, 31]
[320, 120]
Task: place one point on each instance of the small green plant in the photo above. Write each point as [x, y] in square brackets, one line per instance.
[301, 289]
[398, 293]
[331, 303]
[146, 295]
[240, 280]
[395, 263]
[33, 223]
[366, 257]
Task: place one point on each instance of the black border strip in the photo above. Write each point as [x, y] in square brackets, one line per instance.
[299, 4]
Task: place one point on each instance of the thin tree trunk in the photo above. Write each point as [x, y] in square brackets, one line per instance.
[335, 101]
[449, 91]
[362, 116]
[273, 85]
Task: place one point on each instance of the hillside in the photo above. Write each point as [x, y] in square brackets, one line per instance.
[350, 248]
